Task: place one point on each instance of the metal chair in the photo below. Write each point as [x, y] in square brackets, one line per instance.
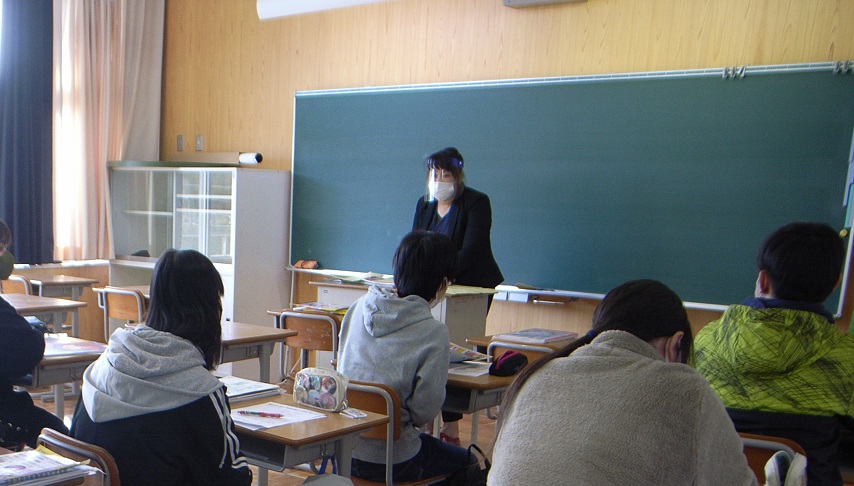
[79, 451]
[380, 398]
[123, 304]
[496, 348]
[16, 284]
[760, 448]
[316, 331]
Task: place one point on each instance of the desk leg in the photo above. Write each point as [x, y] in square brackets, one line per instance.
[474, 423]
[344, 454]
[59, 389]
[264, 354]
[59, 400]
[75, 317]
[262, 476]
[58, 317]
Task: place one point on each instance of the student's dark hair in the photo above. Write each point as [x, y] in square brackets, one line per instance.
[646, 308]
[5, 233]
[803, 261]
[186, 300]
[450, 159]
[423, 261]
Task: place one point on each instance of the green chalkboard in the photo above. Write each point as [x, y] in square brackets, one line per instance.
[593, 180]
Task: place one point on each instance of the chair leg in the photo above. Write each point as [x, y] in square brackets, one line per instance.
[437, 425]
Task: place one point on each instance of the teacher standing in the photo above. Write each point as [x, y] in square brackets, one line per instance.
[465, 216]
[461, 213]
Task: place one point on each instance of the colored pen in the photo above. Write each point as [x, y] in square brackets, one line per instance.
[260, 414]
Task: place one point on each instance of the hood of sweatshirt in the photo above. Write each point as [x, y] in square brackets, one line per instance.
[770, 341]
[384, 312]
[144, 371]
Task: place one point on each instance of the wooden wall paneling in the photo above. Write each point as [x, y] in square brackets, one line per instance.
[231, 77]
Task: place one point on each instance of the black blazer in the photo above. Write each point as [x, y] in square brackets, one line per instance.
[470, 226]
[21, 349]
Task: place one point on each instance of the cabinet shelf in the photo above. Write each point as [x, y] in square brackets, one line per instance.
[142, 212]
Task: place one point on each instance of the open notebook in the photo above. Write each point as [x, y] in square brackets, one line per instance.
[238, 389]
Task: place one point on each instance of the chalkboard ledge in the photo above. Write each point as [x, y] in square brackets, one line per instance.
[513, 293]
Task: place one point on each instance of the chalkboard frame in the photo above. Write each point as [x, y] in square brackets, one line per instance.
[357, 171]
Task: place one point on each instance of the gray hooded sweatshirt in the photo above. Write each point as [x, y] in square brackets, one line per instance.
[165, 418]
[397, 342]
[144, 371]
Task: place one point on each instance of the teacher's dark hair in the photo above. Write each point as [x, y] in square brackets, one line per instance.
[186, 300]
[646, 308]
[422, 262]
[803, 261]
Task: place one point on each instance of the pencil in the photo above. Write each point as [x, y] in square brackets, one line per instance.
[260, 414]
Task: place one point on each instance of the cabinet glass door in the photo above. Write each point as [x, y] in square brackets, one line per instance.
[142, 212]
[203, 212]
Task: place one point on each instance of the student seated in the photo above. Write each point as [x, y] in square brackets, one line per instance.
[151, 399]
[21, 349]
[777, 361]
[392, 338]
[619, 406]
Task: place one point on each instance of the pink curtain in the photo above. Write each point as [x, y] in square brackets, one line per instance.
[107, 65]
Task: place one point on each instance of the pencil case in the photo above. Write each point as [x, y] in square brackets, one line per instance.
[321, 388]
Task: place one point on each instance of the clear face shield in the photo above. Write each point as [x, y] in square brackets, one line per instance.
[441, 185]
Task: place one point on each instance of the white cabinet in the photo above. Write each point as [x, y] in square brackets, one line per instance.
[238, 217]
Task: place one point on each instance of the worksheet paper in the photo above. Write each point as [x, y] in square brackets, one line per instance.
[289, 415]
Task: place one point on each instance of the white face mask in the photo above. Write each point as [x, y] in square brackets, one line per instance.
[443, 191]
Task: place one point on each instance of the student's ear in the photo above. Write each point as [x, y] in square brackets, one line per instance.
[673, 348]
[441, 292]
[763, 285]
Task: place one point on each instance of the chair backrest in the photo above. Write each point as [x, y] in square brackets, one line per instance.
[123, 304]
[16, 284]
[316, 331]
[378, 398]
[532, 351]
[78, 450]
[759, 448]
[818, 435]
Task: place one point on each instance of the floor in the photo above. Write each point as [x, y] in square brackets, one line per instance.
[291, 477]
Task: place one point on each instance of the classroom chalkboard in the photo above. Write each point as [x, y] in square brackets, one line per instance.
[676, 176]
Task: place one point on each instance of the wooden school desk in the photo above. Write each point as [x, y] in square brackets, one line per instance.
[65, 360]
[481, 343]
[63, 286]
[289, 445]
[47, 309]
[470, 394]
[248, 341]
[242, 341]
